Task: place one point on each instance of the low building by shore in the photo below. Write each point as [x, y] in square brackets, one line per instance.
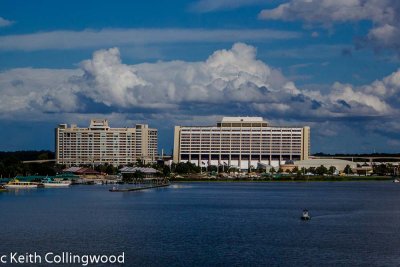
[339, 164]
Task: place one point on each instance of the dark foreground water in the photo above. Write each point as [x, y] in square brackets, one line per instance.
[211, 224]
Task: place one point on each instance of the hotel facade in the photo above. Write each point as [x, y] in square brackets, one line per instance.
[241, 142]
[100, 144]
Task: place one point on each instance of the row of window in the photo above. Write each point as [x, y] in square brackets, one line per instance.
[263, 129]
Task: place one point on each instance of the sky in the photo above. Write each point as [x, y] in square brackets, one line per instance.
[330, 64]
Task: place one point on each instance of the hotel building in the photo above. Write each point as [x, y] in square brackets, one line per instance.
[241, 142]
[99, 144]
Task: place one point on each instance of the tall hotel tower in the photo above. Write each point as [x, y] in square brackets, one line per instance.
[241, 142]
[101, 144]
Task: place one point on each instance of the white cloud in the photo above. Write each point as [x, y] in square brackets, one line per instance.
[204, 6]
[5, 22]
[383, 14]
[385, 35]
[108, 80]
[358, 99]
[233, 74]
[230, 81]
[29, 91]
[328, 11]
[62, 40]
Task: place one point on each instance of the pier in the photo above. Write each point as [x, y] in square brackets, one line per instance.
[138, 188]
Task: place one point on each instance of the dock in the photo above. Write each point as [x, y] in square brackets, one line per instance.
[138, 188]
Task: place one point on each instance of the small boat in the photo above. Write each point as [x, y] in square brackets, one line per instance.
[49, 183]
[397, 180]
[114, 189]
[15, 183]
[3, 189]
[305, 216]
[99, 182]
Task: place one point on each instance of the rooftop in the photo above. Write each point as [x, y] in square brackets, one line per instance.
[141, 169]
[99, 124]
[242, 119]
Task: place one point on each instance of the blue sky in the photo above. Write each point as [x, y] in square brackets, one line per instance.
[329, 64]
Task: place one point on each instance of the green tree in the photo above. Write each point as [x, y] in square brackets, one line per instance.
[348, 170]
[182, 168]
[321, 170]
[186, 167]
[110, 169]
[297, 172]
[311, 170]
[43, 156]
[166, 171]
[331, 170]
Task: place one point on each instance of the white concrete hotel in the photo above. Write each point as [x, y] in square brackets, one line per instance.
[241, 142]
[99, 144]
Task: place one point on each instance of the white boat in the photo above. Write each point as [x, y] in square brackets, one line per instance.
[396, 181]
[20, 185]
[305, 216]
[49, 183]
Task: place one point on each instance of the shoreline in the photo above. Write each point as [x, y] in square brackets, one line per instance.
[313, 179]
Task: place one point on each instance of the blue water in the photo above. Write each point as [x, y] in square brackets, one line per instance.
[211, 224]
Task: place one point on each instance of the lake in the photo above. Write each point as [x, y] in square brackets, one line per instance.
[211, 224]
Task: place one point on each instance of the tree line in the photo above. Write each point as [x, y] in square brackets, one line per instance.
[11, 163]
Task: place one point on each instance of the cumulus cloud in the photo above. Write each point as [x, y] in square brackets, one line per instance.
[227, 77]
[32, 91]
[233, 75]
[109, 81]
[229, 82]
[384, 14]
[5, 22]
[359, 101]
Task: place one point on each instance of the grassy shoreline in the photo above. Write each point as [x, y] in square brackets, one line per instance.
[288, 179]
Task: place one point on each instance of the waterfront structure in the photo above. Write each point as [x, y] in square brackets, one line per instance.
[241, 142]
[100, 144]
[147, 172]
[339, 164]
